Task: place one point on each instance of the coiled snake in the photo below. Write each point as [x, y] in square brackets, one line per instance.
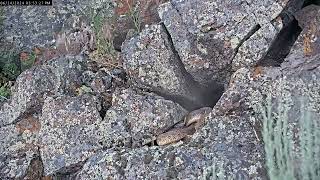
[192, 122]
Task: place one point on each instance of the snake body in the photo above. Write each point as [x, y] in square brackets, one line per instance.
[192, 122]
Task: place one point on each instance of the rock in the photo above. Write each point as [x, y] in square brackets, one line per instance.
[297, 78]
[253, 49]
[19, 148]
[69, 132]
[99, 82]
[226, 141]
[152, 64]
[135, 119]
[207, 34]
[74, 43]
[59, 76]
[133, 14]
[28, 93]
[32, 26]
[307, 43]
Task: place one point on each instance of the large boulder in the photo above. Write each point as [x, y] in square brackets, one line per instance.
[34, 26]
[207, 34]
[227, 143]
[152, 63]
[135, 119]
[58, 76]
[69, 132]
[19, 147]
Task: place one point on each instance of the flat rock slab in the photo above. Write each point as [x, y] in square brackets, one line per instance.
[135, 119]
[69, 131]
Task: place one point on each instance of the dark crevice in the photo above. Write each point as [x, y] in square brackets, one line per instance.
[310, 2]
[199, 95]
[287, 14]
[35, 169]
[246, 37]
[69, 172]
[103, 112]
[281, 45]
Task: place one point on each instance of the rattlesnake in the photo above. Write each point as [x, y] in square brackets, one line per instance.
[192, 122]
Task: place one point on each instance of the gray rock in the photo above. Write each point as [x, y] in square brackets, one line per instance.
[18, 146]
[308, 43]
[69, 131]
[99, 82]
[28, 93]
[226, 141]
[253, 49]
[152, 64]
[135, 119]
[59, 76]
[207, 34]
[31, 26]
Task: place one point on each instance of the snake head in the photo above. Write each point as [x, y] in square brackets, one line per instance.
[197, 117]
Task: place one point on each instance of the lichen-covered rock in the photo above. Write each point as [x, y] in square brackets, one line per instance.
[152, 64]
[27, 92]
[253, 49]
[74, 43]
[308, 43]
[18, 147]
[58, 76]
[294, 83]
[69, 131]
[206, 34]
[99, 81]
[135, 119]
[145, 14]
[297, 80]
[30, 26]
[224, 141]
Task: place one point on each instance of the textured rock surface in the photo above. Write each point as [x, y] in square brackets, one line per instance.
[69, 131]
[308, 43]
[223, 140]
[60, 122]
[206, 34]
[145, 12]
[60, 75]
[99, 82]
[135, 119]
[32, 26]
[18, 146]
[152, 64]
[255, 47]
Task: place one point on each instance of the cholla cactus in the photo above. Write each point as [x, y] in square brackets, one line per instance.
[279, 144]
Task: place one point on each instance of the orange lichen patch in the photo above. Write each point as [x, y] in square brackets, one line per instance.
[227, 44]
[24, 56]
[257, 72]
[49, 54]
[29, 123]
[197, 62]
[37, 51]
[149, 13]
[124, 6]
[308, 40]
[307, 50]
[46, 178]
